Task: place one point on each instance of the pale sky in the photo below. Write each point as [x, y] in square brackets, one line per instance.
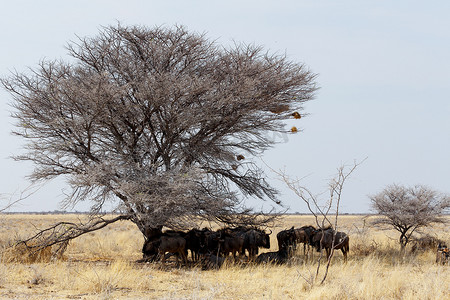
[383, 68]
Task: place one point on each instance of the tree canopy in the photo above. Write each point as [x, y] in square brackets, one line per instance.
[161, 118]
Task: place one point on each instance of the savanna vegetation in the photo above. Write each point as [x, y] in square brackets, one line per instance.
[163, 125]
[102, 265]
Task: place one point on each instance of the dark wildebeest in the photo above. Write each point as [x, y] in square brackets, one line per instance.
[210, 242]
[442, 254]
[279, 257]
[230, 242]
[150, 250]
[170, 241]
[323, 239]
[195, 241]
[253, 239]
[172, 244]
[286, 239]
[151, 244]
[303, 235]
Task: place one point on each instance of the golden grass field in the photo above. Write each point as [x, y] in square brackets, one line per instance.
[102, 265]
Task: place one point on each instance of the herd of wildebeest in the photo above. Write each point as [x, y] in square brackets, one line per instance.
[210, 248]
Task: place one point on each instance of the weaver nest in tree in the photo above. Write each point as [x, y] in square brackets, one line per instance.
[278, 109]
[296, 115]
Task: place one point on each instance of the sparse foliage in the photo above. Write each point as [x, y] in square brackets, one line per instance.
[407, 209]
[323, 211]
[161, 120]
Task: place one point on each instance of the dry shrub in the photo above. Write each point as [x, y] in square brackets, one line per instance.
[20, 253]
[425, 242]
[106, 279]
[360, 248]
[27, 254]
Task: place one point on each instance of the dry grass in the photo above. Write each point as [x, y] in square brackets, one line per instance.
[101, 265]
[21, 253]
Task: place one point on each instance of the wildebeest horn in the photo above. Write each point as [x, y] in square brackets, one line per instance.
[270, 231]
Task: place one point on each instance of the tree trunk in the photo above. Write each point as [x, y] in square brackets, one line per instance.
[403, 241]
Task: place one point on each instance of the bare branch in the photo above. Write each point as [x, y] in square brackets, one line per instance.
[62, 232]
[13, 199]
[321, 212]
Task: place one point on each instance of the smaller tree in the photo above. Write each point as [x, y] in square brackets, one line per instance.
[407, 209]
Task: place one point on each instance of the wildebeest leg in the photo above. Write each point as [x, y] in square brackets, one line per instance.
[255, 253]
[243, 252]
[344, 252]
[195, 255]
[252, 253]
[183, 257]
[234, 255]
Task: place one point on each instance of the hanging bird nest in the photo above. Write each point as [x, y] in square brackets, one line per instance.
[296, 115]
[240, 157]
[294, 129]
[278, 109]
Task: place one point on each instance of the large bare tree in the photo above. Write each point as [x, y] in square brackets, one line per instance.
[161, 120]
[407, 209]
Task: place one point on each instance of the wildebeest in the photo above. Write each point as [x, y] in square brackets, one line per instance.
[253, 239]
[286, 239]
[323, 239]
[151, 244]
[210, 242]
[150, 250]
[230, 242]
[172, 244]
[234, 240]
[278, 257]
[195, 241]
[221, 242]
[442, 254]
[170, 241]
[303, 235]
